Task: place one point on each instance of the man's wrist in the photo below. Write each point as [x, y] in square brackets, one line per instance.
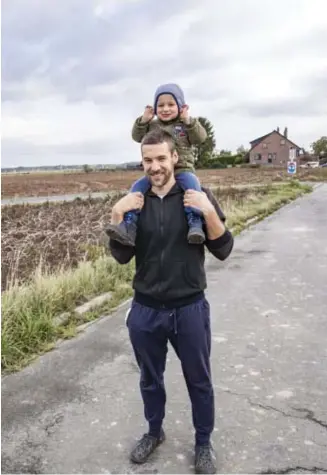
[117, 216]
[215, 227]
[208, 210]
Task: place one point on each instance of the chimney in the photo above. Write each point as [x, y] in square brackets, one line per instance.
[285, 132]
[278, 129]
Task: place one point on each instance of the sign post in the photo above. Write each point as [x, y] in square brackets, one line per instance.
[292, 154]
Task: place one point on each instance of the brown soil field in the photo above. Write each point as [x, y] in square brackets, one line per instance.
[50, 236]
[49, 184]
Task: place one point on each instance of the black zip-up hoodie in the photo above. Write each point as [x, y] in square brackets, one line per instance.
[170, 272]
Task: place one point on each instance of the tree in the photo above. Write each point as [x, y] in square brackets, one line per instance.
[225, 153]
[319, 147]
[204, 152]
[243, 153]
[87, 168]
[241, 150]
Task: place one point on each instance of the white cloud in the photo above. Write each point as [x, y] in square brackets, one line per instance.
[247, 65]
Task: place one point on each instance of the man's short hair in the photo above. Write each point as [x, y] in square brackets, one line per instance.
[157, 136]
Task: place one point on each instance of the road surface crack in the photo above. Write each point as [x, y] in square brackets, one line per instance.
[51, 425]
[309, 415]
[295, 470]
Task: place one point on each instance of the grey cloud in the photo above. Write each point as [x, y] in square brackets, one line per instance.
[307, 106]
[68, 45]
[288, 107]
[311, 101]
[309, 44]
[11, 147]
[25, 152]
[316, 86]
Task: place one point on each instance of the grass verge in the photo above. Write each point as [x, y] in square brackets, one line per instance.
[259, 205]
[28, 311]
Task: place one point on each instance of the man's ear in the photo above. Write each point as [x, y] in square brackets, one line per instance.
[142, 163]
[175, 157]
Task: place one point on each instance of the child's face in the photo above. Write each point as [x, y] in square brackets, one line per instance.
[167, 109]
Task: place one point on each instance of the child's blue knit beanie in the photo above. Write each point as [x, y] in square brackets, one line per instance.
[172, 89]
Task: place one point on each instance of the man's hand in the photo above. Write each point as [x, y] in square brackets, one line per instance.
[148, 115]
[128, 203]
[199, 200]
[184, 115]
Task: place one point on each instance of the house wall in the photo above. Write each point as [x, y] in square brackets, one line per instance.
[272, 150]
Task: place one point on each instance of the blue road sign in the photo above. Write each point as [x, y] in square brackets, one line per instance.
[291, 167]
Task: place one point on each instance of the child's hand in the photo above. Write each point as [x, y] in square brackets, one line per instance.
[148, 115]
[184, 116]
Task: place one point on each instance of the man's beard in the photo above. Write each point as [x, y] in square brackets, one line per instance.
[165, 176]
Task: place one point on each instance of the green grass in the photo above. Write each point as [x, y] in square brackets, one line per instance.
[28, 311]
[260, 206]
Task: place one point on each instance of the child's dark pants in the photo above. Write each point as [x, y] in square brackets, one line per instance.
[186, 180]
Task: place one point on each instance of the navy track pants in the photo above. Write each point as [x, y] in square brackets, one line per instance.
[188, 330]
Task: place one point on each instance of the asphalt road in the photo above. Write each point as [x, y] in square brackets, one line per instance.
[78, 408]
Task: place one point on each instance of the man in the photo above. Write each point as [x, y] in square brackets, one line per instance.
[169, 301]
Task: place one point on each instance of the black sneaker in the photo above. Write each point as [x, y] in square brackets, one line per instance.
[145, 447]
[196, 234]
[125, 233]
[205, 459]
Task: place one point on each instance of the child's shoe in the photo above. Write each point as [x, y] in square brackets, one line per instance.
[125, 232]
[196, 234]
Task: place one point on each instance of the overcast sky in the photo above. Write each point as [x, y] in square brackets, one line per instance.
[76, 73]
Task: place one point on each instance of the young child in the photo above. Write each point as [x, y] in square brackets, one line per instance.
[172, 115]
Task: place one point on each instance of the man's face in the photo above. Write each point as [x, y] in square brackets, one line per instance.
[158, 163]
[167, 109]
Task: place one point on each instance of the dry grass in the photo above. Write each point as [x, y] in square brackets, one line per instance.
[316, 174]
[50, 236]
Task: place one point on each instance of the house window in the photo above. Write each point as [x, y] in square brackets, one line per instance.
[270, 157]
[264, 145]
[282, 142]
[257, 156]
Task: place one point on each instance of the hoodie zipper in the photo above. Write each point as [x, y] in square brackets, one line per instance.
[162, 253]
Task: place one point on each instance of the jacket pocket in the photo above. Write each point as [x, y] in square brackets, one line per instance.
[147, 275]
[195, 278]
